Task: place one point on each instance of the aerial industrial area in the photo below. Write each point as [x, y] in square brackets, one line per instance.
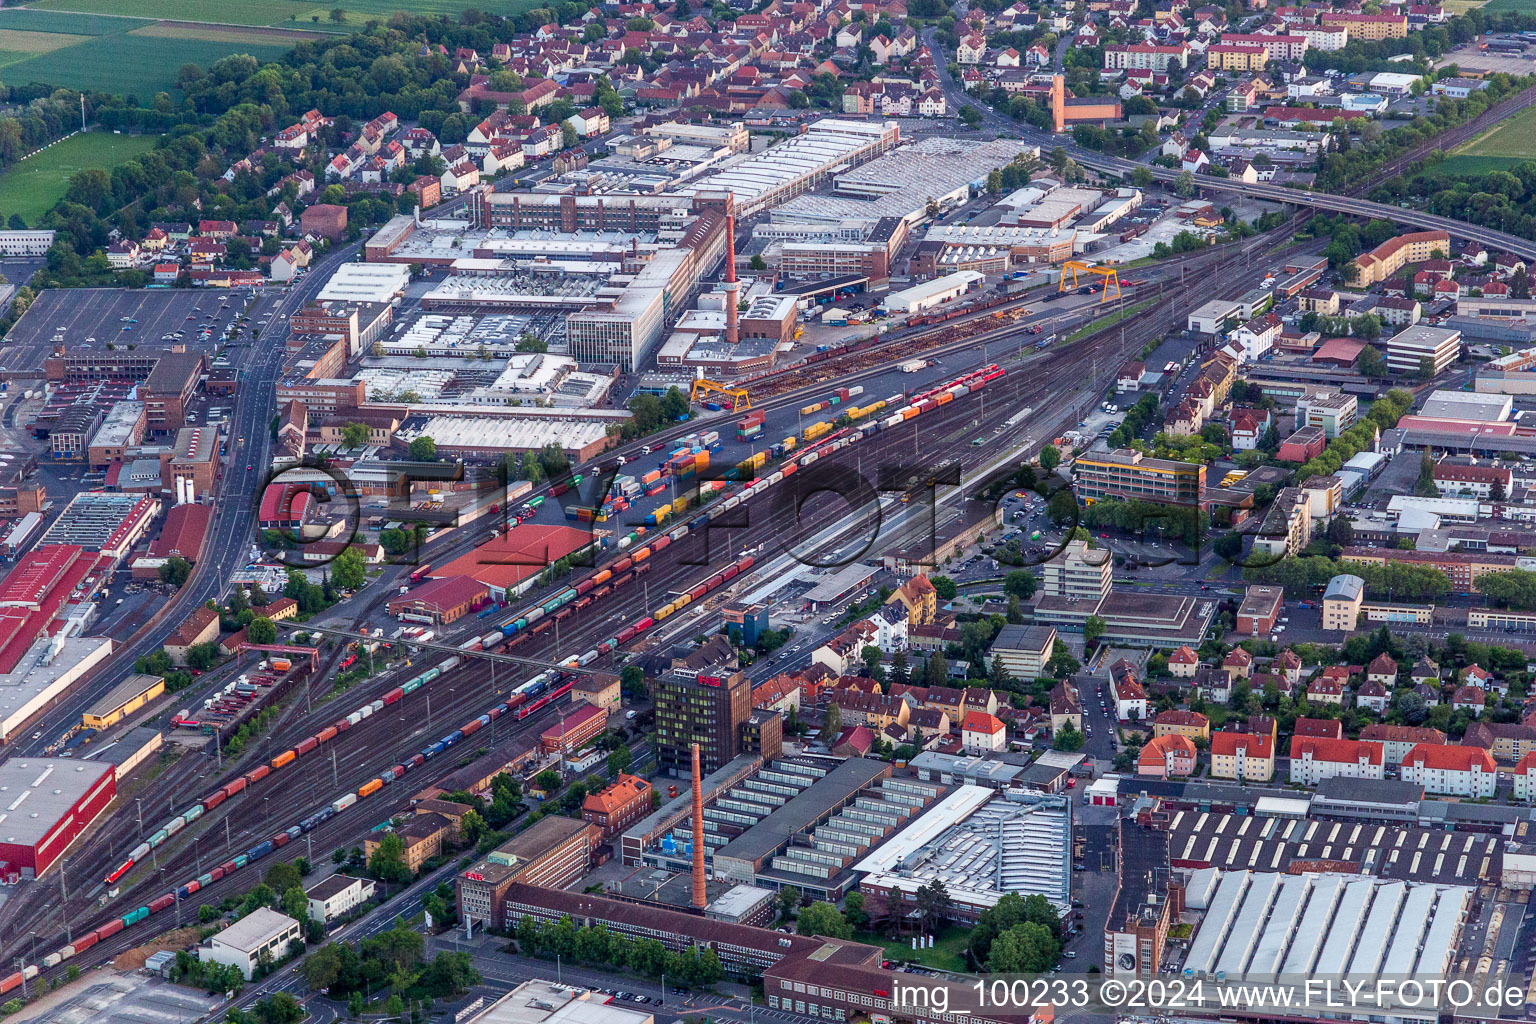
[869, 510]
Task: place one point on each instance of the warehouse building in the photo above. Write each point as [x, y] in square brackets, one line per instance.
[241, 945]
[931, 293]
[101, 521]
[49, 802]
[1266, 926]
[440, 601]
[123, 700]
[980, 843]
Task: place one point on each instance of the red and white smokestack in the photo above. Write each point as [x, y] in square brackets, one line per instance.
[731, 285]
[699, 896]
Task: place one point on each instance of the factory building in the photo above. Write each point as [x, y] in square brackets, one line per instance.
[49, 803]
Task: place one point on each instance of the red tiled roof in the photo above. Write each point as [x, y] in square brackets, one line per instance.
[1338, 751]
[980, 721]
[1178, 717]
[33, 592]
[1450, 757]
[185, 527]
[1227, 744]
[443, 594]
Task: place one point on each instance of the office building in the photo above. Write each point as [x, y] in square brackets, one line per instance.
[708, 708]
[1408, 350]
[1078, 572]
[1128, 474]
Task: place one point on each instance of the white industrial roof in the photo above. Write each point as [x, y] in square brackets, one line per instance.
[938, 286]
[366, 282]
[256, 929]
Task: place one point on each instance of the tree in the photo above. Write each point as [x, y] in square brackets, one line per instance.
[1093, 628]
[175, 571]
[1370, 362]
[1340, 532]
[933, 903]
[203, 656]
[338, 15]
[1020, 583]
[548, 781]
[283, 876]
[423, 449]
[350, 569]
[870, 655]
[831, 724]
[262, 630]
[757, 262]
[388, 861]
[1061, 508]
[936, 672]
[898, 673]
[1026, 948]
[1068, 739]
[1184, 184]
[789, 901]
[944, 587]
[296, 904]
[1050, 458]
[1141, 177]
[823, 919]
[354, 435]
[619, 760]
[970, 117]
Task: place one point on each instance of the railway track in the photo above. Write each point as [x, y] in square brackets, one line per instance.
[361, 753]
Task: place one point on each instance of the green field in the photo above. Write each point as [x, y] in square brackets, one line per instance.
[130, 64]
[1513, 137]
[293, 13]
[27, 20]
[32, 187]
[1526, 6]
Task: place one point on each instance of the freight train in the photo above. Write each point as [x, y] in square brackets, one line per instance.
[531, 696]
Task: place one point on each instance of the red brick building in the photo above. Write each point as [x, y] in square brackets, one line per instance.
[441, 601]
[581, 724]
[618, 805]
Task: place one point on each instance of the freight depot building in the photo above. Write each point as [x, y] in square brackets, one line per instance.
[45, 803]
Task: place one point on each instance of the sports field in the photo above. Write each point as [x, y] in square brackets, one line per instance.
[32, 187]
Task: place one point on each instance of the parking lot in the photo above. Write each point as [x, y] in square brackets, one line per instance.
[99, 317]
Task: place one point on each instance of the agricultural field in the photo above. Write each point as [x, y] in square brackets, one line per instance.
[1511, 142]
[130, 56]
[279, 12]
[1524, 6]
[31, 187]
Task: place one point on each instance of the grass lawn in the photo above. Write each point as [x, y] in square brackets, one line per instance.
[32, 187]
[1469, 166]
[946, 954]
[1513, 137]
[1526, 6]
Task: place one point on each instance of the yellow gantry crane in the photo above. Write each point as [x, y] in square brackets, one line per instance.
[740, 400]
[1107, 273]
